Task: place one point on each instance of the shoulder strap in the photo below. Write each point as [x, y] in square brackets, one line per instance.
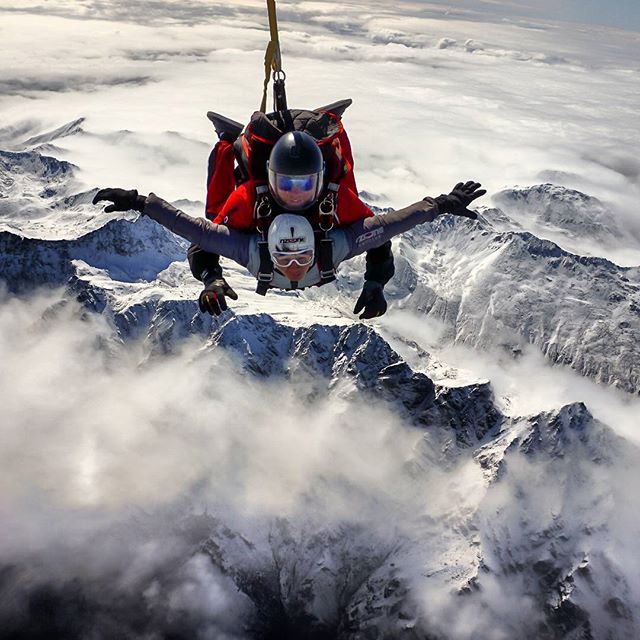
[327, 217]
[262, 215]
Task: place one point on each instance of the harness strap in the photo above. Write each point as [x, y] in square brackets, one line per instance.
[327, 217]
[328, 213]
[325, 261]
[262, 214]
[265, 274]
[262, 211]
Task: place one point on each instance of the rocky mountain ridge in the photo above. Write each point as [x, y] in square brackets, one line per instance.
[545, 489]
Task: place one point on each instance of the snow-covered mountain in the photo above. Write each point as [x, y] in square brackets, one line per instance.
[485, 502]
[502, 288]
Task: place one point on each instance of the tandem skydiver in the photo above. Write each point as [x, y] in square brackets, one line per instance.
[287, 171]
[291, 238]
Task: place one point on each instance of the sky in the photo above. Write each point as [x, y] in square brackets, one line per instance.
[623, 14]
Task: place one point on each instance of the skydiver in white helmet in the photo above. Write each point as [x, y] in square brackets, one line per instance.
[291, 239]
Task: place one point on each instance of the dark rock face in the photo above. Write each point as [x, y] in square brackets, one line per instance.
[27, 264]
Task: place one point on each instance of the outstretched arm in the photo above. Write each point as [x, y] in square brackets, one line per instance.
[374, 231]
[214, 238]
[211, 237]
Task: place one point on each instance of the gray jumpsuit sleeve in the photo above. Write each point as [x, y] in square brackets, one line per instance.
[215, 238]
[372, 232]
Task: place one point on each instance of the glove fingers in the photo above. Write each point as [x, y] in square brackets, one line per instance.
[373, 312]
[360, 304]
[474, 186]
[214, 309]
[368, 314]
[214, 304]
[458, 186]
[111, 208]
[222, 303]
[230, 293]
[465, 213]
[477, 194]
[101, 195]
[211, 305]
[206, 305]
[375, 306]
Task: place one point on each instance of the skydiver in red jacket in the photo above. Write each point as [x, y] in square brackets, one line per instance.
[296, 184]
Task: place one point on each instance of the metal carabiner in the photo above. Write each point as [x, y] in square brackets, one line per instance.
[263, 208]
[327, 211]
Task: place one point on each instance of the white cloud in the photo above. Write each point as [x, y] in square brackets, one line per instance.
[110, 463]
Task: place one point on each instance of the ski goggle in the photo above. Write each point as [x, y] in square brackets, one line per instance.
[295, 192]
[288, 258]
[301, 183]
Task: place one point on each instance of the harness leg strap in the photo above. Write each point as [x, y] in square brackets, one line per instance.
[325, 261]
[265, 274]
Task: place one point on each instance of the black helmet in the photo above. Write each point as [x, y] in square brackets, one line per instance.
[296, 169]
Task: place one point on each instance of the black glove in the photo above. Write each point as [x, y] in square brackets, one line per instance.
[122, 199]
[380, 267]
[371, 300]
[461, 196]
[204, 266]
[213, 298]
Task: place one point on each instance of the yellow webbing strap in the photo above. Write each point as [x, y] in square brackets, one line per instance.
[272, 58]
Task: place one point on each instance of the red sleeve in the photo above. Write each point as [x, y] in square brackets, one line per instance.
[237, 212]
[222, 181]
[350, 207]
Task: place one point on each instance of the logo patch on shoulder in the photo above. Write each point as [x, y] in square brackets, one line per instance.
[370, 235]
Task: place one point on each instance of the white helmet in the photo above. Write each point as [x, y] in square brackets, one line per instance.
[291, 239]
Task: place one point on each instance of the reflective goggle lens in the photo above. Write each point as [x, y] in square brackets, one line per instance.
[295, 193]
[286, 259]
[301, 183]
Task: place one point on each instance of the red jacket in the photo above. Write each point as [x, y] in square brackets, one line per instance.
[237, 212]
